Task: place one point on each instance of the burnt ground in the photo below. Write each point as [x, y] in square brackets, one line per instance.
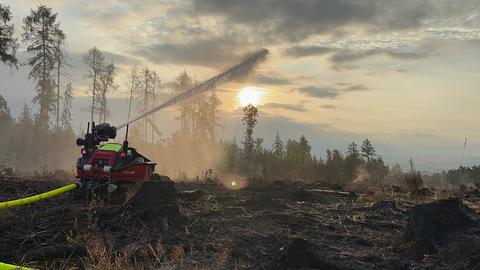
[277, 225]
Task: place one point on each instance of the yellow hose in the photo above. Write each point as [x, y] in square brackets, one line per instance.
[36, 198]
[4, 266]
[29, 200]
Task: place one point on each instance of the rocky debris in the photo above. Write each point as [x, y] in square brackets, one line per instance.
[155, 202]
[279, 183]
[302, 254]
[422, 192]
[7, 172]
[301, 195]
[431, 223]
[473, 194]
[266, 203]
[191, 195]
[382, 205]
[397, 189]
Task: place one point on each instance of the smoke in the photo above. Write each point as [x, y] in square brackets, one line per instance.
[235, 72]
[361, 175]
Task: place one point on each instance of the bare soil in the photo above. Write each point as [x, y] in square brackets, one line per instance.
[274, 225]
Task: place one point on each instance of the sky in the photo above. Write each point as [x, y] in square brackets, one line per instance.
[402, 73]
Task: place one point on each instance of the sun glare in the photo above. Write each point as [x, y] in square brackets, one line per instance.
[250, 95]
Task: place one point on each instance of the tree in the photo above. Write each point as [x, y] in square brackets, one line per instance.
[368, 151]
[60, 56]
[335, 166]
[352, 161]
[5, 116]
[95, 64]
[182, 84]
[133, 86]
[411, 163]
[156, 82]
[8, 44]
[249, 119]
[212, 120]
[107, 84]
[304, 150]
[67, 107]
[42, 34]
[278, 147]
[352, 151]
[147, 87]
[259, 146]
[25, 117]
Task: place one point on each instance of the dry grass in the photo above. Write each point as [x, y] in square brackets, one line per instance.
[412, 181]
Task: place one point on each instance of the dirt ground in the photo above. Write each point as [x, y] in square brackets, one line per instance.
[274, 225]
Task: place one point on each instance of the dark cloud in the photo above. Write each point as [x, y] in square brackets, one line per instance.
[210, 53]
[331, 92]
[290, 107]
[272, 79]
[298, 19]
[317, 92]
[346, 56]
[356, 87]
[302, 51]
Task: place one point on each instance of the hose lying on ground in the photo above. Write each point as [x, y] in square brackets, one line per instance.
[4, 266]
[36, 198]
[29, 200]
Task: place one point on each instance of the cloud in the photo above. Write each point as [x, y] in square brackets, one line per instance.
[290, 107]
[356, 87]
[121, 59]
[331, 92]
[346, 56]
[328, 106]
[272, 78]
[317, 92]
[209, 53]
[303, 51]
[297, 20]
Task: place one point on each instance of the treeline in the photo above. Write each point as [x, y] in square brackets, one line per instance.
[462, 176]
[293, 160]
[27, 146]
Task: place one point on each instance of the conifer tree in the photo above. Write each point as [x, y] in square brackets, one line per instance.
[67, 107]
[42, 34]
[8, 44]
[250, 115]
[368, 151]
[95, 65]
[278, 147]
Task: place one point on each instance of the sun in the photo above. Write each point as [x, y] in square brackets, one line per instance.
[250, 95]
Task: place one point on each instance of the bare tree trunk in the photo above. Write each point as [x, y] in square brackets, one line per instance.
[131, 97]
[58, 83]
[94, 85]
[153, 105]
[145, 106]
[44, 76]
